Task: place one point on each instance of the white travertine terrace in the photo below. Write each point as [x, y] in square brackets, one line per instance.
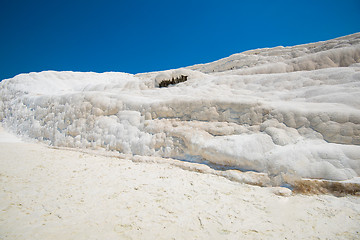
[293, 110]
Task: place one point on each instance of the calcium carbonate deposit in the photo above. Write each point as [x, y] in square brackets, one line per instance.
[292, 110]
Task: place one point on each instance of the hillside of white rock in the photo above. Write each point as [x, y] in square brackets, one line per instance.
[176, 154]
[286, 112]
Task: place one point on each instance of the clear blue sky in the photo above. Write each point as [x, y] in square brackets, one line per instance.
[140, 36]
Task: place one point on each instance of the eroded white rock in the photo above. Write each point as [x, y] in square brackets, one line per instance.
[294, 110]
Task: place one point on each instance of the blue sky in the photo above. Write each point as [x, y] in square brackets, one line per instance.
[140, 36]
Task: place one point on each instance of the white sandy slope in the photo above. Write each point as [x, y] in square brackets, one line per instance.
[60, 194]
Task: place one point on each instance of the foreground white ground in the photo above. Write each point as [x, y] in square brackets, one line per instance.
[58, 194]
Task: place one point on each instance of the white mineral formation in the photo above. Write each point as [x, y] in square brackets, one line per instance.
[121, 156]
[284, 110]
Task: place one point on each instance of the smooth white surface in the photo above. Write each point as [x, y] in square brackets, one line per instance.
[6, 137]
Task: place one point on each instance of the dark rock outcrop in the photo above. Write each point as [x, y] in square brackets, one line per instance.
[177, 80]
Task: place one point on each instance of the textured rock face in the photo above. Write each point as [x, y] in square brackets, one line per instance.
[293, 110]
[340, 52]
